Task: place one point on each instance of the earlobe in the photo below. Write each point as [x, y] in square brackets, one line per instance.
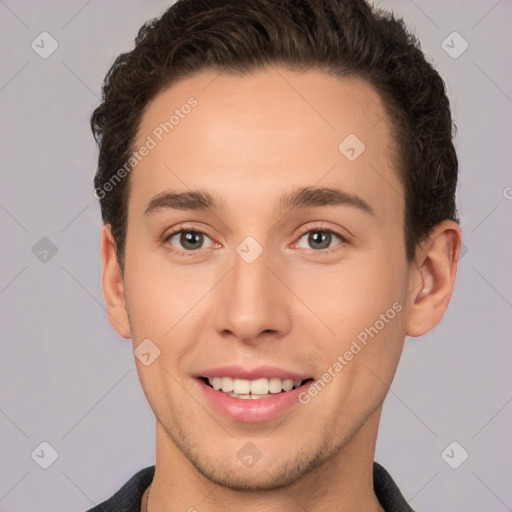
[433, 278]
[113, 285]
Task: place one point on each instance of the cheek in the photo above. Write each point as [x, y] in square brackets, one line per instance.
[162, 305]
[358, 373]
[350, 297]
[155, 295]
[148, 308]
[363, 306]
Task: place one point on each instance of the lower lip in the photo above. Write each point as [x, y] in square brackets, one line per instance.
[249, 410]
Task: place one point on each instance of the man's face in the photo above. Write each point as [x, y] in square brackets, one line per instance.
[270, 290]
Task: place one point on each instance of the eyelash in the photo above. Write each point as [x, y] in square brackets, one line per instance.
[318, 228]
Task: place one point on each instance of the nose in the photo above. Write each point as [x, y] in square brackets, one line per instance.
[252, 301]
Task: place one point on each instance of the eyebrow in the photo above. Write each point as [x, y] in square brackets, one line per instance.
[304, 197]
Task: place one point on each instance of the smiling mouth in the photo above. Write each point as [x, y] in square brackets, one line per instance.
[252, 389]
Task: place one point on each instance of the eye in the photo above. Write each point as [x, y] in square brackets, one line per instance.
[320, 239]
[190, 240]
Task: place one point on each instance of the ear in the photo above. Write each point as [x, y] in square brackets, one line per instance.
[432, 278]
[113, 285]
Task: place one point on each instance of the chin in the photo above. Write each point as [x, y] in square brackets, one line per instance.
[271, 472]
[254, 479]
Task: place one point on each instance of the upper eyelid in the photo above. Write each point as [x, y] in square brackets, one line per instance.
[321, 227]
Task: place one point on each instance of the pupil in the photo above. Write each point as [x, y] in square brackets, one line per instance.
[192, 238]
[320, 237]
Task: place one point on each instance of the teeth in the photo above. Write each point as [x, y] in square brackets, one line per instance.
[227, 384]
[248, 397]
[242, 388]
[275, 385]
[287, 384]
[259, 387]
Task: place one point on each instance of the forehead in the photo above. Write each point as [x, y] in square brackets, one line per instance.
[249, 138]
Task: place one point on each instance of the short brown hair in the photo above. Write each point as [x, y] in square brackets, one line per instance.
[342, 37]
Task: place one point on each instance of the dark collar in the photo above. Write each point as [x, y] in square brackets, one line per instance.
[387, 492]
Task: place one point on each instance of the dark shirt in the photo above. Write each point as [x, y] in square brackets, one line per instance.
[128, 498]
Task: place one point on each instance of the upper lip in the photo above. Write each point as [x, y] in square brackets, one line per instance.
[240, 372]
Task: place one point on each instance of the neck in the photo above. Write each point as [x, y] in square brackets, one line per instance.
[344, 482]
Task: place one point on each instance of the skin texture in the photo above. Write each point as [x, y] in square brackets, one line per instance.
[249, 140]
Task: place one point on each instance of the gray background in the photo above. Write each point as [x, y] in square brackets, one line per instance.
[68, 379]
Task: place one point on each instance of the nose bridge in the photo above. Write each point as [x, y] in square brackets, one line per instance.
[253, 299]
